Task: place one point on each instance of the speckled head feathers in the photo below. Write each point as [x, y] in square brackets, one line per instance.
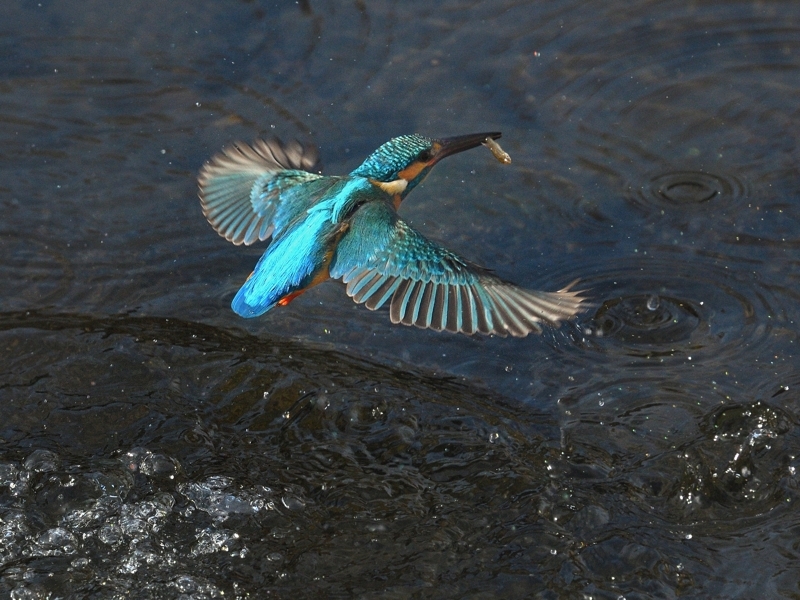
[392, 157]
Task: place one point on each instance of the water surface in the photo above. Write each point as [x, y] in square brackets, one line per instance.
[155, 445]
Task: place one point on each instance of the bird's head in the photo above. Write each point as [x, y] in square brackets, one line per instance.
[402, 162]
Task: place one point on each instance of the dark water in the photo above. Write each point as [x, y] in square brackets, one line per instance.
[154, 445]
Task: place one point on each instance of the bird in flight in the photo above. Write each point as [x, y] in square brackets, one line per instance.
[347, 227]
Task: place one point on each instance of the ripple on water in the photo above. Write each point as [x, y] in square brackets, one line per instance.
[35, 272]
[649, 106]
[691, 310]
[637, 417]
[647, 319]
[680, 92]
[687, 188]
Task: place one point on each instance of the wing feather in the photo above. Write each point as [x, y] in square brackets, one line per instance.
[383, 259]
[243, 187]
[412, 310]
[400, 300]
[428, 304]
[455, 316]
[439, 309]
[383, 293]
[515, 320]
[485, 309]
[355, 280]
[374, 284]
[470, 314]
[368, 278]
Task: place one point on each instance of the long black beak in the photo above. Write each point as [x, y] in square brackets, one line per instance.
[460, 143]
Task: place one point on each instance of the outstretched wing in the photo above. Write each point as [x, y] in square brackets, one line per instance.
[241, 188]
[383, 259]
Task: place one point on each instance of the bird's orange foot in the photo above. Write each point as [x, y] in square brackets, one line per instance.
[289, 297]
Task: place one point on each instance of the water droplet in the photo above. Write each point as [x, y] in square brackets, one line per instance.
[42, 461]
[651, 319]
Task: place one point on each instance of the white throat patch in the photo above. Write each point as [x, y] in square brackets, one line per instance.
[393, 188]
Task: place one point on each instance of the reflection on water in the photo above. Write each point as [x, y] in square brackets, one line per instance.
[153, 444]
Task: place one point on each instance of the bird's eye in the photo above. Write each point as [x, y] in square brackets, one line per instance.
[424, 156]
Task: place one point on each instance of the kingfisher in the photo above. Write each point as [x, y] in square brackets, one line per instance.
[348, 228]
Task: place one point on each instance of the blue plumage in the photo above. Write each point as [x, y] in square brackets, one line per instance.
[348, 228]
[290, 263]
